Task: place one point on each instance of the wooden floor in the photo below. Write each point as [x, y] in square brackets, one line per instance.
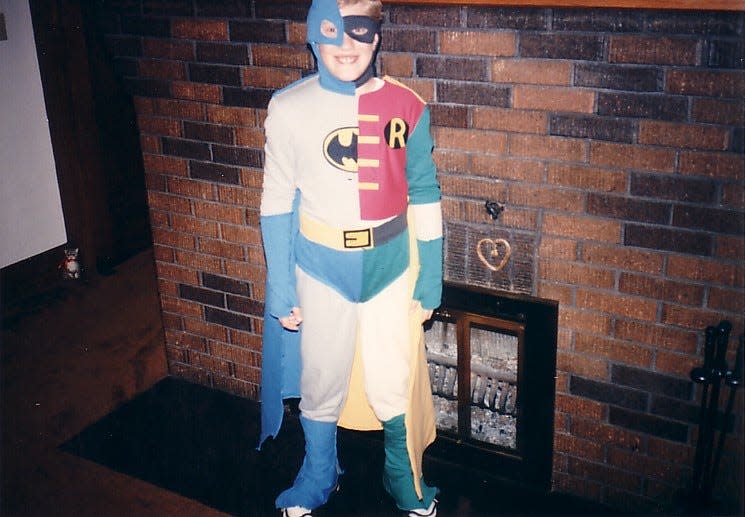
[66, 361]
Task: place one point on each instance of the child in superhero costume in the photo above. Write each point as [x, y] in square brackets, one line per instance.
[352, 230]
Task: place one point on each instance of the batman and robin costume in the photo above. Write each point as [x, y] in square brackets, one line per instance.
[352, 230]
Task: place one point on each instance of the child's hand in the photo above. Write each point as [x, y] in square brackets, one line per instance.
[293, 321]
[425, 313]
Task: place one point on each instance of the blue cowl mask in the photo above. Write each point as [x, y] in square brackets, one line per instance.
[328, 10]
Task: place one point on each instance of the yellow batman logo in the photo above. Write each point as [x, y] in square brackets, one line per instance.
[340, 148]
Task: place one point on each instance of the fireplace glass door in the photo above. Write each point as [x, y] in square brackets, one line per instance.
[473, 367]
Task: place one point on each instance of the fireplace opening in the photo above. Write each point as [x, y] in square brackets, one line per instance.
[492, 363]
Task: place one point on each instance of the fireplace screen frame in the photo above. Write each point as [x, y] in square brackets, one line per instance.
[534, 321]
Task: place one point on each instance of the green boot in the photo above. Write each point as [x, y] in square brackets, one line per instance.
[398, 478]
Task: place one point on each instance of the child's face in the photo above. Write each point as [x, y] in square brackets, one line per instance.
[350, 61]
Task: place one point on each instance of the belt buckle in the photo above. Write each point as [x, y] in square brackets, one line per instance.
[357, 238]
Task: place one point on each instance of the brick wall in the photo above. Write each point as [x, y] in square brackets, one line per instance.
[614, 140]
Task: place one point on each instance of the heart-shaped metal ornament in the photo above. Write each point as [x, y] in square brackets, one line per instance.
[494, 253]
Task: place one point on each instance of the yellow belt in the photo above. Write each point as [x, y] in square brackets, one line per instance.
[362, 238]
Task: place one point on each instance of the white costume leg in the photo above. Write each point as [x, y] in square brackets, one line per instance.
[384, 341]
[327, 348]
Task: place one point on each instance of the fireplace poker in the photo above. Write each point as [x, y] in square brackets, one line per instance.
[703, 375]
[733, 380]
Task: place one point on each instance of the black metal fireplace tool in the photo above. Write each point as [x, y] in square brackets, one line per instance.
[712, 375]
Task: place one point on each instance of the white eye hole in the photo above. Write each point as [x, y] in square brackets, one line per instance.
[360, 31]
[328, 29]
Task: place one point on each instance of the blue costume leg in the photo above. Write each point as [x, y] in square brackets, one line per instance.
[398, 477]
[319, 473]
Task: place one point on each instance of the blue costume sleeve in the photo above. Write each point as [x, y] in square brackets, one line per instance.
[277, 234]
[424, 189]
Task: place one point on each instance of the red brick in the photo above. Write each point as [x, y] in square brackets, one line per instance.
[578, 447]
[196, 91]
[659, 336]
[425, 88]
[562, 294]
[574, 274]
[632, 157]
[623, 306]
[396, 64]
[249, 341]
[163, 253]
[526, 219]
[231, 353]
[458, 186]
[159, 126]
[177, 273]
[582, 228]
[165, 164]
[451, 161]
[553, 99]
[505, 168]
[687, 136]
[160, 69]
[605, 473]
[716, 165]
[584, 321]
[173, 239]
[179, 109]
[157, 200]
[221, 249]
[718, 111]
[689, 317]
[470, 140]
[581, 365]
[241, 234]
[642, 464]
[249, 137]
[513, 120]
[169, 288]
[473, 43]
[263, 77]
[653, 50]
[671, 451]
[661, 289]
[548, 147]
[545, 197]
[733, 196]
[168, 49]
[218, 212]
[615, 350]
[182, 308]
[676, 364]
[213, 364]
[252, 179]
[600, 432]
[199, 29]
[730, 247]
[191, 188]
[247, 373]
[235, 386]
[619, 257]
[232, 116]
[238, 196]
[144, 105]
[189, 224]
[558, 248]
[282, 57]
[580, 406]
[199, 261]
[245, 271]
[706, 83]
[150, 144]
[296, 33]
[587, 178]
[706, 270]
[532, 71]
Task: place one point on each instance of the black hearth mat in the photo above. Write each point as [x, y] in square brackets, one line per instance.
[201, 443]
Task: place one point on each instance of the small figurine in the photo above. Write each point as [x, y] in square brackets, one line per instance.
[70, 267]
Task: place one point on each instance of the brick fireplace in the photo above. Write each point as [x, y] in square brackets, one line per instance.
[611, 142]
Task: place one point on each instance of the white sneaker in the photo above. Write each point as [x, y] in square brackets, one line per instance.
[425, 512]
[296, 511]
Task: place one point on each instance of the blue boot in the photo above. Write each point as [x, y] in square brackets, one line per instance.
[398, 478]
[319, 473]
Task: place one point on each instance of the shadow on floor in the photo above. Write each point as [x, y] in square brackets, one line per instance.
[201, 443]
